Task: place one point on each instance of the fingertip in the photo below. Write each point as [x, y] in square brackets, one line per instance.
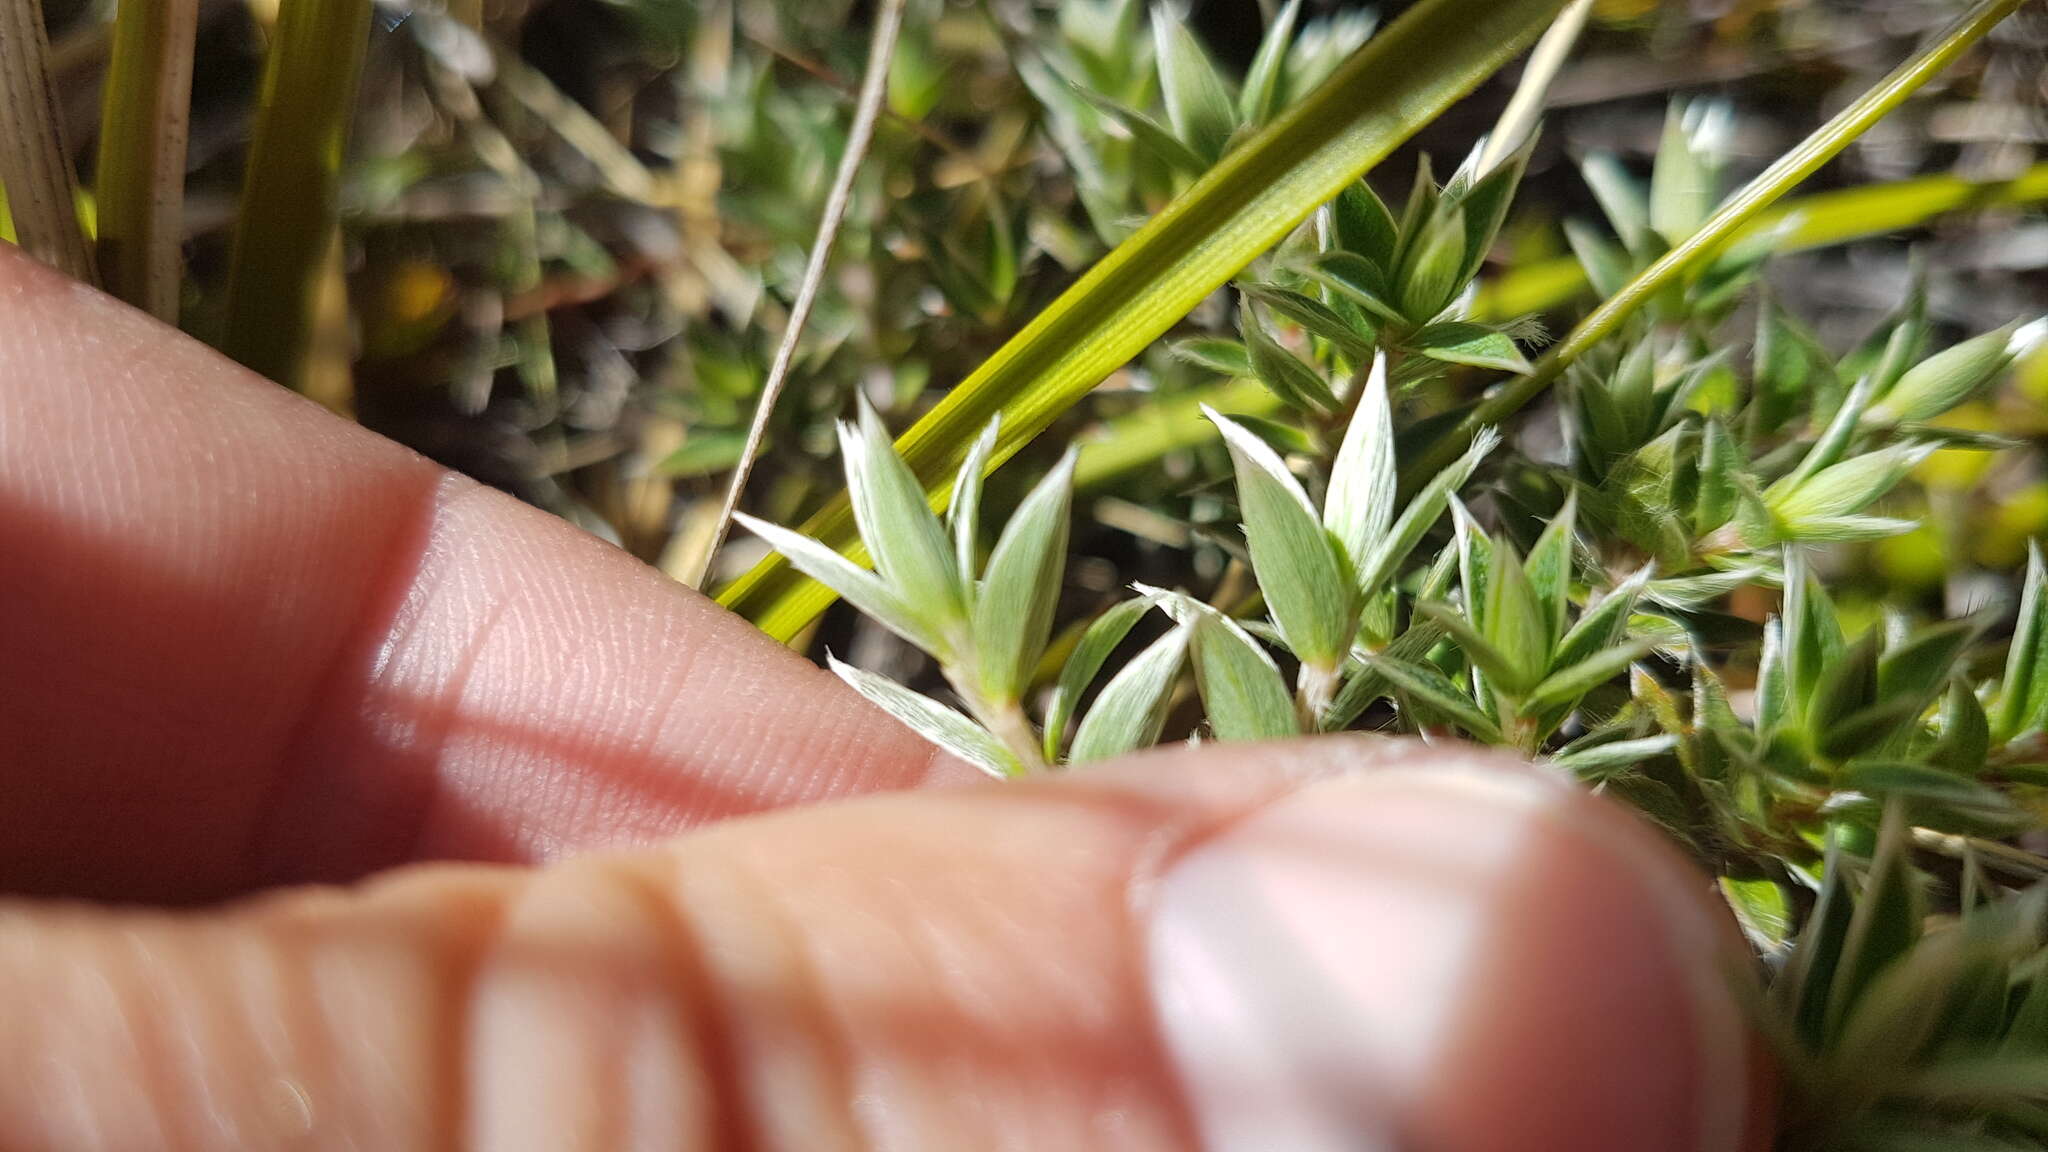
[1451, 954]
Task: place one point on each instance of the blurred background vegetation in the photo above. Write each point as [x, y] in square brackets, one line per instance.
[570, 231]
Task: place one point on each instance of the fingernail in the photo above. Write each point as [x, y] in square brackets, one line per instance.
[1444, 959]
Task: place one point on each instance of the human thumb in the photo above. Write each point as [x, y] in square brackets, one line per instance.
[1340, 944]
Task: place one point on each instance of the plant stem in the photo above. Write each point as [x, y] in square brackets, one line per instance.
[1314, 687]
[140, 177]
[1713, 236]
[34, 164]
[291, 187]
[874, 86]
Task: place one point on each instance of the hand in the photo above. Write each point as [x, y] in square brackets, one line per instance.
[246, 647]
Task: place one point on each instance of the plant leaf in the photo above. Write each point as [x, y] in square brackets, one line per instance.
[1359, 506]
[1567, 685]
[1294, 558]
[1097, 642]
[1621, 198]
[1014, 605]
[1241, 687]
[864, 589]
[908, 542]
[1946, 379]
[1198, 104]
[1364, 227]
[1549, 567]
[964, 515]
[932, 720]
[1433, 688]
[1464, 342]
[1422, 512]
[1255, 104]
[1131, 708]
[2023, 695]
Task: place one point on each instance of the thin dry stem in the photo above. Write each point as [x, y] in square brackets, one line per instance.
[42, 190]
[874, 87]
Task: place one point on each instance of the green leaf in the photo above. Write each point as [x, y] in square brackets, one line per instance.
[1761, 908]
[1965, 731]
[908, 542]
[1429, 279]
[964, 516]
[1566, 686]
[1400, 80]
[1315, 317]
[1365, 684]
[1255, 105]
[1606, 266]
[1131, 709]
[1685, 182]
[1603, 625]
[1290, 379]
[1849, 487]
[1223, 357]
[1014, 605]
[1838, 529]
[1359, 280]
[1422, 512]
[1198, 103]
[1151, 135]
[1810, 973]
[1920, 782]
[1843, 686]
[932, 720]
[1918, 668]
[2023, 695]
[1623, 200]
[1885, 923]
[1241, 687]
[1550, 567]
[1945, 379]
[1359, 506]
[1463, 342]
[1720, 460]
[1687, 593]
[1363, 226]
[1432, 688]
[1097, 642]
[1294, 558]
[1485, 655]
[1484, 208]
[1596, 760]
[862, 588]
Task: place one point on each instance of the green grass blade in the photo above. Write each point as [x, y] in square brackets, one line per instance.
[140, 176]
[1816, 221]
[33, 163]
[1723, 226]
[288, 197]
[1438, 51]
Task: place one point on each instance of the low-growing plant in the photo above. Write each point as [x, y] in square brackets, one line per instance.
[1621, 582]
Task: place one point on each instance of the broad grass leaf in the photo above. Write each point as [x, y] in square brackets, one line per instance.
[932, 720]
[1014, 605]
[1083, 664]
[1310, 594]
[1131, 709]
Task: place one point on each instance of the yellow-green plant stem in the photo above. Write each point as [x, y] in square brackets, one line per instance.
[6, 218]
[140, 177]
[1721, 228]
[1815, 221]
[289, 192]
[1400, 80]
[34, 165]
